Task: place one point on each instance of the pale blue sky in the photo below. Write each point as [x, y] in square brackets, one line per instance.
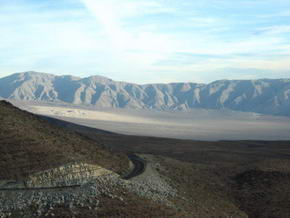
[147, 41]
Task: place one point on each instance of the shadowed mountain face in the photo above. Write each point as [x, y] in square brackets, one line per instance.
[28, 145]
[261, 96]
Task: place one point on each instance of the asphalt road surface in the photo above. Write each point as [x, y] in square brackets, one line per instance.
[139, 166]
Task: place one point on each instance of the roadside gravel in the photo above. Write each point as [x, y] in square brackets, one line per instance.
[41, 203]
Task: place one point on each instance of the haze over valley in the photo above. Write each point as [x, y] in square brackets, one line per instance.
[198, 124]
[180, 110]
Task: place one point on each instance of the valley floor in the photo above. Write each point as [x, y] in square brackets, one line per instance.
[199, 124]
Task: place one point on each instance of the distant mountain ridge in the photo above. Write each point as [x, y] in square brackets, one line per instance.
[267, 96]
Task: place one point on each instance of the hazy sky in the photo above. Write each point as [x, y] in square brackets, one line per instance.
[147, 40]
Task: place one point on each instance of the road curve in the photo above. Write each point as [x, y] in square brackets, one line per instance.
[139, 166]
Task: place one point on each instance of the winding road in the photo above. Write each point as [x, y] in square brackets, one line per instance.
[139, 166]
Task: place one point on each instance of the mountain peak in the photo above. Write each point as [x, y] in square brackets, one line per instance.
[34, 73]
[97, 78]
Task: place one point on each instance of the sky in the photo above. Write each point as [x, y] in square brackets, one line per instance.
[147, 41]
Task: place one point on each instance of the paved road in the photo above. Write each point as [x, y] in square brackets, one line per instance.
[139, 166]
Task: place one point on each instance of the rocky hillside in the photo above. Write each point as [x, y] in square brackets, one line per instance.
[262, 96]
[47, 171]
[29, 145]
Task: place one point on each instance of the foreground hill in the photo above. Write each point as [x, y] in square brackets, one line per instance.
[29, 144]
[48, 171]
[215, 179]
[212, 179]
[262, 96]
[181, 178]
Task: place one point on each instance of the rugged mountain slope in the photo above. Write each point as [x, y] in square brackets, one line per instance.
[47, 171]
[195, 179]
[29, 144]
[262, 96]
[216, 179]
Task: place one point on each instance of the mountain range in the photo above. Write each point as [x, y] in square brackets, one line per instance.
[266, 96]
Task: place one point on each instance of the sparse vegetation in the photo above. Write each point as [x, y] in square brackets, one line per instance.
[213, 179]
[29, 144]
